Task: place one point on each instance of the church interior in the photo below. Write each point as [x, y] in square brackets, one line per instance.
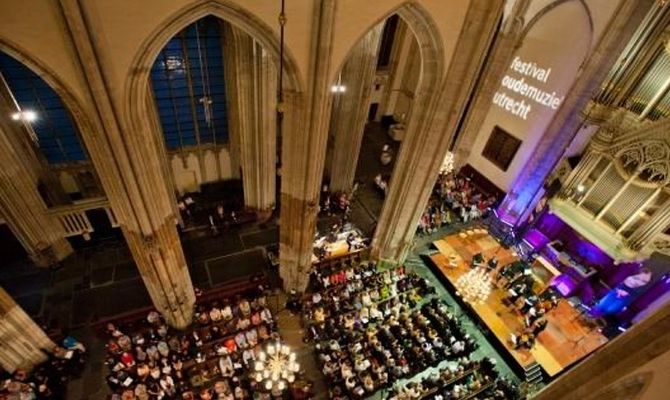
[334, 199]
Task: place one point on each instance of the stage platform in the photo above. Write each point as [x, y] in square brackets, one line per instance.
[568, 337]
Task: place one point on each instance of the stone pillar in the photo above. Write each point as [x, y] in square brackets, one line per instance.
[404, 57]
[164, 157]
[124, 151]
[504, 47]
[438, 108]
[589, 378]
[305, 135]
[350, 110]
[23, 344]
[252, 79]
[234, 42]
[20, 203]
[567, 120]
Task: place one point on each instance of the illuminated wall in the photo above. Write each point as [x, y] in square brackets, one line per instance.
[540, 75]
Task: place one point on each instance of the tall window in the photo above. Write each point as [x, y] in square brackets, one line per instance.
[501, 148]
[386, 46]
[57, 136]
[189, 87]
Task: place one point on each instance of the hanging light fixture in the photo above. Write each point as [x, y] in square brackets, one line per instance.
[25, 115]
[448, 163]
[280, 87]
[474, 286]
[338, 87]
[275, 368]
[206, 99]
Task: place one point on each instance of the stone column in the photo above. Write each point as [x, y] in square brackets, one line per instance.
[350, 110]
[305, 135]
[163, 156]
[125, 153]
[23, 344]
[21, 204]
[234, 41]
[252, 79]
[403, 57]
[567, 120]
[504, 47]
[438, 108]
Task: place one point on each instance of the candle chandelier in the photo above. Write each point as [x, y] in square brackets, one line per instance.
[474, 286]
[275, 367]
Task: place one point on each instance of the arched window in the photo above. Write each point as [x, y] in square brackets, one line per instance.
[54, 128]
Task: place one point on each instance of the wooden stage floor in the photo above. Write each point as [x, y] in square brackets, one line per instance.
[567, 337]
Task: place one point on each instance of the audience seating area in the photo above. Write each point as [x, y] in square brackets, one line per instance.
[48, 380]
[462, 380]
[375, 329]
[210, 360]
[373, 326]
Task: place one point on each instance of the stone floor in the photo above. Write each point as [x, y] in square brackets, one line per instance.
[368, 201]
[75, 294]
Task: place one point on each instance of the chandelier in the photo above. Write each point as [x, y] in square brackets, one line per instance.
[448, 163]
[474, 286]
[275, 367]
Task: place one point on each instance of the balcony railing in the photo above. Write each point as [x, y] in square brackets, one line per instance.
[74, 220]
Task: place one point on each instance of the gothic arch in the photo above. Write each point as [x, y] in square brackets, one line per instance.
[551, 7]
[72, 104]
[137, 83]
[425, 32]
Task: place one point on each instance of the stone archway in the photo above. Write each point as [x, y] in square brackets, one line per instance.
[425, 97]
[137, 83]
[350, 109]
[72, 103]
[441, 107]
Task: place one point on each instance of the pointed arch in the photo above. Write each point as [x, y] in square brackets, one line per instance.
[425, 32]
[72, 104]
[551, 7]
[138, 80]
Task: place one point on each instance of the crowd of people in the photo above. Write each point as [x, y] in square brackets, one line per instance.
[373, 326]
[357, 296]
[454, 198]
[363, 360]
[48, 380]
[461, 379]
[209, 360]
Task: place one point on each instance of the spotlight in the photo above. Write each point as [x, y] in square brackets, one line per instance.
[27, 116]
[338, 88]
[580, 188]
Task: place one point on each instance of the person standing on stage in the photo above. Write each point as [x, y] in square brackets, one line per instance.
[622, 295]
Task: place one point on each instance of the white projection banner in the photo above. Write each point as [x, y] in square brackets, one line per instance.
[524, 88]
